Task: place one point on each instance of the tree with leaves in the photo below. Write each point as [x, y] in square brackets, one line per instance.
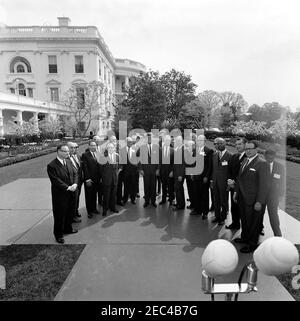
[193, 115]
[210, 100]
[235, 102]
[83, 102]
[178, 90]
[146, 101]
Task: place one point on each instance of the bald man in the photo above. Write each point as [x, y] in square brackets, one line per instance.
[220, 175]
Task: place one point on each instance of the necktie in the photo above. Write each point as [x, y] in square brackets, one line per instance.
[149, 146]
[271, 168]
[75, 162]
[246, 163]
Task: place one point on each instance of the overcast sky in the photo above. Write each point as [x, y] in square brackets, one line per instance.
[246, 46]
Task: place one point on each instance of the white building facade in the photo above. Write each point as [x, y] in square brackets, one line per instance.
[42, 63]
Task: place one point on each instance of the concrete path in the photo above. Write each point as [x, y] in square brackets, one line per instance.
[136, 254]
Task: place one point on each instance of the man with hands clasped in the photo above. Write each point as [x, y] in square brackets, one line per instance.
[250, 193]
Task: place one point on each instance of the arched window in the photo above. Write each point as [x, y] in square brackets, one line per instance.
[22, 90]
[16, 62]
[20, 68]
[103, 124]
[107, 126]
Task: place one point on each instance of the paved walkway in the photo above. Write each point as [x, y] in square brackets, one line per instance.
[136, 254]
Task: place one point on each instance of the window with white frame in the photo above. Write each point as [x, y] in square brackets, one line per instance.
[54, 95]
[79, 64]
[52, 64]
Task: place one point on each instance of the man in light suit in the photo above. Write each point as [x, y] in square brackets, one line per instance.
[64, 182]
[77, 166]
[251, 195]
[276, 190]
[109, 171]
[220, 175]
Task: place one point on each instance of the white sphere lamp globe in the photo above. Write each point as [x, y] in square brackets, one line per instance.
[275, 256]
[220, 257]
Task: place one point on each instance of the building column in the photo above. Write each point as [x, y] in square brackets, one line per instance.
[1, 124]
[19, 118]
[35, 119]
[126, 81]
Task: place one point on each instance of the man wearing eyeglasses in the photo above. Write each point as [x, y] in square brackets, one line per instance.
[251, 193]
[64, 182]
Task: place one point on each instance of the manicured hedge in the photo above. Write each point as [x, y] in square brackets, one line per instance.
[24, 157]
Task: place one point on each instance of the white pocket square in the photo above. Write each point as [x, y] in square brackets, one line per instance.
[252, 169]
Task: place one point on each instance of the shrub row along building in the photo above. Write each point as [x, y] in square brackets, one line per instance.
[39, 64]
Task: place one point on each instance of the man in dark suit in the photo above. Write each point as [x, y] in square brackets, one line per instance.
[77, 166]
[220, 175]
[251, 194]
[178, 173]
[234, 168]
[166, 159]
[130, 171]
[91, 174]
[201, 178]
[64, 182]
[109, 170]
[276, 190]
[149, 169]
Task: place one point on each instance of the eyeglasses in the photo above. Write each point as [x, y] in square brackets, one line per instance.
[65, 151]
[250, 148]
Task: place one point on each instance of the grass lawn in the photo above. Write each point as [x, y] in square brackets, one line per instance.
[36, 272]
[286, 281]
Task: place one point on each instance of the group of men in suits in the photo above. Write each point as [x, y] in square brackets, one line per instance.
[110, 174]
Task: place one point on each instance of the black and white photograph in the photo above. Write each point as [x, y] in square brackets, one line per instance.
[149, 152]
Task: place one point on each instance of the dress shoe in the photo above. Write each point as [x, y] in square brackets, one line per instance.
[114, 210]
[78, 214]
[248, 249]
[212, 209]
[189, 207]
[60, 240]
[239, 240]
[71, 231]
[120, 203]
[262, 233]
[162, 202]
[104, 213]
[124, 202]
[204, 217]
[96, 212]
[154, 204]
[90, 215]
[76, 220]
[215, 220]
[232, 227]
[145, 204]
[221, 223]
[194, 212]
[138, 195]
[133, 202]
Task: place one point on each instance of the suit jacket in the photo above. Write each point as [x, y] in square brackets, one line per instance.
[166, 161]
[234, 165]
[61, 178]
[78, 168]
[148, 165]
[220, 168]
[253, 181]
[277, 181]
[128, 162]
[203, 161]
[90, 167]
[109, 171]
[179, 165]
